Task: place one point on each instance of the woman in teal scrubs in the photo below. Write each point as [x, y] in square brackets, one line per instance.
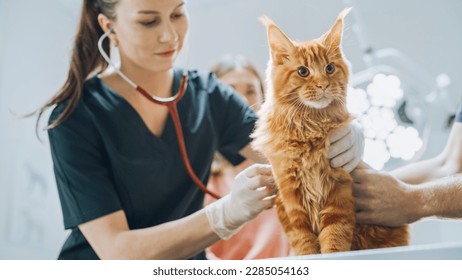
[124, 191]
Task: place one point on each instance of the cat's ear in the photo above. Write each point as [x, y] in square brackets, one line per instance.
[333, 37]
[280, 45]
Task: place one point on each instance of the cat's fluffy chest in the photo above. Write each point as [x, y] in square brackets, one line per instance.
[297, 135]
[314, 176]
[298, 153]
[306, 158]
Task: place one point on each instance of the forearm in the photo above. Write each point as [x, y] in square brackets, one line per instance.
[180, 239]
[111, 238]
[447, 163]
[418, 172]
[423, 171]
[442, 197]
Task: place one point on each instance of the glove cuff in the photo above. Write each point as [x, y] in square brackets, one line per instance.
[217, 219]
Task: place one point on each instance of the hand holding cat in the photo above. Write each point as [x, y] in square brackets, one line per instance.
[346, 147]
[382, 199]
[252, 191]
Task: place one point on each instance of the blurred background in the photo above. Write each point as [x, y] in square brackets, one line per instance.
[405, 88]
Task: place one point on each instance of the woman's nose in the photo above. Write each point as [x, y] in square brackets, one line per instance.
[168, 33]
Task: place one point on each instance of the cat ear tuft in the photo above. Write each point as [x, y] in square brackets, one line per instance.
[280, 45]
[333, 37]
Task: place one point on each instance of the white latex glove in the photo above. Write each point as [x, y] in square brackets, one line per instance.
[252, 191]
[346, 147]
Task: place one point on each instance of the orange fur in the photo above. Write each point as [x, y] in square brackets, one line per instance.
[315, 203]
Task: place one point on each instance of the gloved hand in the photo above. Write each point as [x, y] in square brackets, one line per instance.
[346, 147]
[252, 191]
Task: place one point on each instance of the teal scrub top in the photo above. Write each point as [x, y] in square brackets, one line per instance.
[106, 159]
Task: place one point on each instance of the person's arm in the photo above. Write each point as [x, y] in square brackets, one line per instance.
[413, 191]
[111, 237]
[448, 162]
[441, 197]
[382, 199]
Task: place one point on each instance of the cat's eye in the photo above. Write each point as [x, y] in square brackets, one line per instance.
[303, 71]
[330, 68]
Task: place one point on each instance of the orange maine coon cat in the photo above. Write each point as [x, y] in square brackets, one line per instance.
[305, 103]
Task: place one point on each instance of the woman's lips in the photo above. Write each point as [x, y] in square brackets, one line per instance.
[167, 53]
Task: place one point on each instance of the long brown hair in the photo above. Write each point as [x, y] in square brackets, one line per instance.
[85, 59]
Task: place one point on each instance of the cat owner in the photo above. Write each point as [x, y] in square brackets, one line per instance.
[431, 187]
[123, 187]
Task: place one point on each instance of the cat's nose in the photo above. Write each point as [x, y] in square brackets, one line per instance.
[322, 86]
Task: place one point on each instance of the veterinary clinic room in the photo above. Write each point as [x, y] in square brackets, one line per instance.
[340, 135]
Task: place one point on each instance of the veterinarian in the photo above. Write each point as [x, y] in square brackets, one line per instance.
[431, 187]
[126, 189]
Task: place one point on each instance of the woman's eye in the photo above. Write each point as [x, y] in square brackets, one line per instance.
[303, 71]
[177, 15]
[330, 68]
[150, 22]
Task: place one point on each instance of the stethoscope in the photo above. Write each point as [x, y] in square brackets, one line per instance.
[170, 102]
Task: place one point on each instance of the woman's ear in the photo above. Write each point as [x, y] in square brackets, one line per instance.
[104, 22]
[106, 25]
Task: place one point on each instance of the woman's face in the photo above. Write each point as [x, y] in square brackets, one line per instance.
[246, 84]
[150, 33]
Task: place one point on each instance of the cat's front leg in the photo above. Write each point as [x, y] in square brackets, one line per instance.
[337, 219]
[295, 221]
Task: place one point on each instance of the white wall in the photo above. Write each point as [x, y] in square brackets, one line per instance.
[34, 46]
[35, 41]
[425, 30]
